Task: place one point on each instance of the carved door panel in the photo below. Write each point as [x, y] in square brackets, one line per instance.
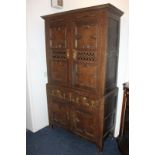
[82, 123]
[59, 113]
[85, 45]
[58, 53]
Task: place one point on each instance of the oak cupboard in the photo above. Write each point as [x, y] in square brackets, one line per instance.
[82, 58]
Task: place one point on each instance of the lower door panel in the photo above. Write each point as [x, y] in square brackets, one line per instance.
[59, 114]
[83, 123]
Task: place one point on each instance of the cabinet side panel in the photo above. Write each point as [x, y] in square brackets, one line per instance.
[112, 54]
[110, 105]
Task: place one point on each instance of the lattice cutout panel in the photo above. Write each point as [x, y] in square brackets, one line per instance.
[86, 56]
[59, 55]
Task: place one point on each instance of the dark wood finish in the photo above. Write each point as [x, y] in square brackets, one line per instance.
[123, 138]
[82, 58]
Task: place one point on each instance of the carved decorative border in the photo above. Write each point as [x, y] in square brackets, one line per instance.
[74, 98]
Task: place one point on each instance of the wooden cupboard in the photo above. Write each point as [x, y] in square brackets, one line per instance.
[82, 58]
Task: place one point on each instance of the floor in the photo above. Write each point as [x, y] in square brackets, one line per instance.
[57, 141]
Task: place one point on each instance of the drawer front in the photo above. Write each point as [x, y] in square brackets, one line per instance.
[58, 93]
[83, 123]
[84, 101]
[58, 113]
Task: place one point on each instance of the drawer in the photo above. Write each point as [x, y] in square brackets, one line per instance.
[84, 101]
[58, 93]
[79, 99]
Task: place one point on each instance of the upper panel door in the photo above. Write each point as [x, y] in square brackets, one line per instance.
[85, 53]
[58, 62]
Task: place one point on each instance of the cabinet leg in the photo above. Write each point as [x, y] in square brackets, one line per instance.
[51, 126]
[100, 148]
[111, 136]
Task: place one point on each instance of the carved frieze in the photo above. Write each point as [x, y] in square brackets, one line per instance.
[85, 101]
[74, 98]
[59, 94]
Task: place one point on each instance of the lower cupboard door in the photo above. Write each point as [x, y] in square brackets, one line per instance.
[83, 123]
[59, 114]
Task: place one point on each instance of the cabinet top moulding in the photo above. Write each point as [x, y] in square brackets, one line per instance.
[109, 7]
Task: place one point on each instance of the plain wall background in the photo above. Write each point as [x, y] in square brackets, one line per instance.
[37, 114]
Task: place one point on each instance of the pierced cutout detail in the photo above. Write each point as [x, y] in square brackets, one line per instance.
[59, 55]
[86, 56]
